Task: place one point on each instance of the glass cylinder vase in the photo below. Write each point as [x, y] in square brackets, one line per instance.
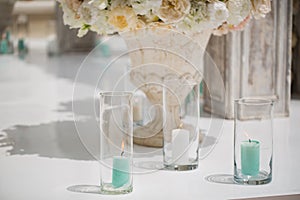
[181, 124]
[116, 142]
[253, 141]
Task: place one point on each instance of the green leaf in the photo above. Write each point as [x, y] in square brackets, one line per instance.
[86, 27]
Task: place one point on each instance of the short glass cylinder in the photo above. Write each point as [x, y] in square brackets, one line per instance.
[253, 141]
[116, 142]
[181, 124]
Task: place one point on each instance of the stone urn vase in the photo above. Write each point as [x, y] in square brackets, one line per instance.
[157, 54]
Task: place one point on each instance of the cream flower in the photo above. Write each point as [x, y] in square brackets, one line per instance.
[123, 18]
[99, 4]
[74, 4]
[173, 10]
[260, 8]
[101, 25]
[120, 3]
[85, 12]
[218, 13]
[197, 19]
[238, 10]
[145, 7]
[90, 11]
[70, 17]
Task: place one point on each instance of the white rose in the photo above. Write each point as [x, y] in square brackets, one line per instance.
[260, 8]
[140, 7]
[90, 11]
[101, 25]
[70, 17]
[144, 7]
[238, 10]
[99, 4]
[173, 10]
[85, 12]
[218, 13]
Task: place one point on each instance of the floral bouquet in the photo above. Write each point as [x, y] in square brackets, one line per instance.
[187, 16]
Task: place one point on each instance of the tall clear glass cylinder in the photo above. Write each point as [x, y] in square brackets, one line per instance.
[181, 124]
[253, 141]
[116, 142]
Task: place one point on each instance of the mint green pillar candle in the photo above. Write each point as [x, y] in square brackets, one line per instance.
[250, 151]
[121, 169]
[3, 46]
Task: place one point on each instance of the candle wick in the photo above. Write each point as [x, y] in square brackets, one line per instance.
[122, 148]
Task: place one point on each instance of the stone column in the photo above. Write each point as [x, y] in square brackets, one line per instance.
[255, 62]
[296, 52]
[6, 8]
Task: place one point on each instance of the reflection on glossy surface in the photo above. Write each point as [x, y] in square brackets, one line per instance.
[56, 139]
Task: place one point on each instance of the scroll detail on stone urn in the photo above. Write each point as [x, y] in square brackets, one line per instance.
[156, 55]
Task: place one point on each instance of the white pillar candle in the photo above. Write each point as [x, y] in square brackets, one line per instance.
[180, 143]
[137, 109]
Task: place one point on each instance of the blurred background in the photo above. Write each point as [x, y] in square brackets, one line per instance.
[24, 21]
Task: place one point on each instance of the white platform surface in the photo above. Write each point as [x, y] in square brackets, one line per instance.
[41, 155]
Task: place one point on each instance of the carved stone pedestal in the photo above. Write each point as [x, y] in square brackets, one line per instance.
[156, 55]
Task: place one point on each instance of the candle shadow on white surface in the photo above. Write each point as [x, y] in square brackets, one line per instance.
[220, 178]
[208, 141]
[60, 139]
[91, 189]
[88, 108]
[94, 189]
[54, 140]
[57, 139]
[149, 165]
